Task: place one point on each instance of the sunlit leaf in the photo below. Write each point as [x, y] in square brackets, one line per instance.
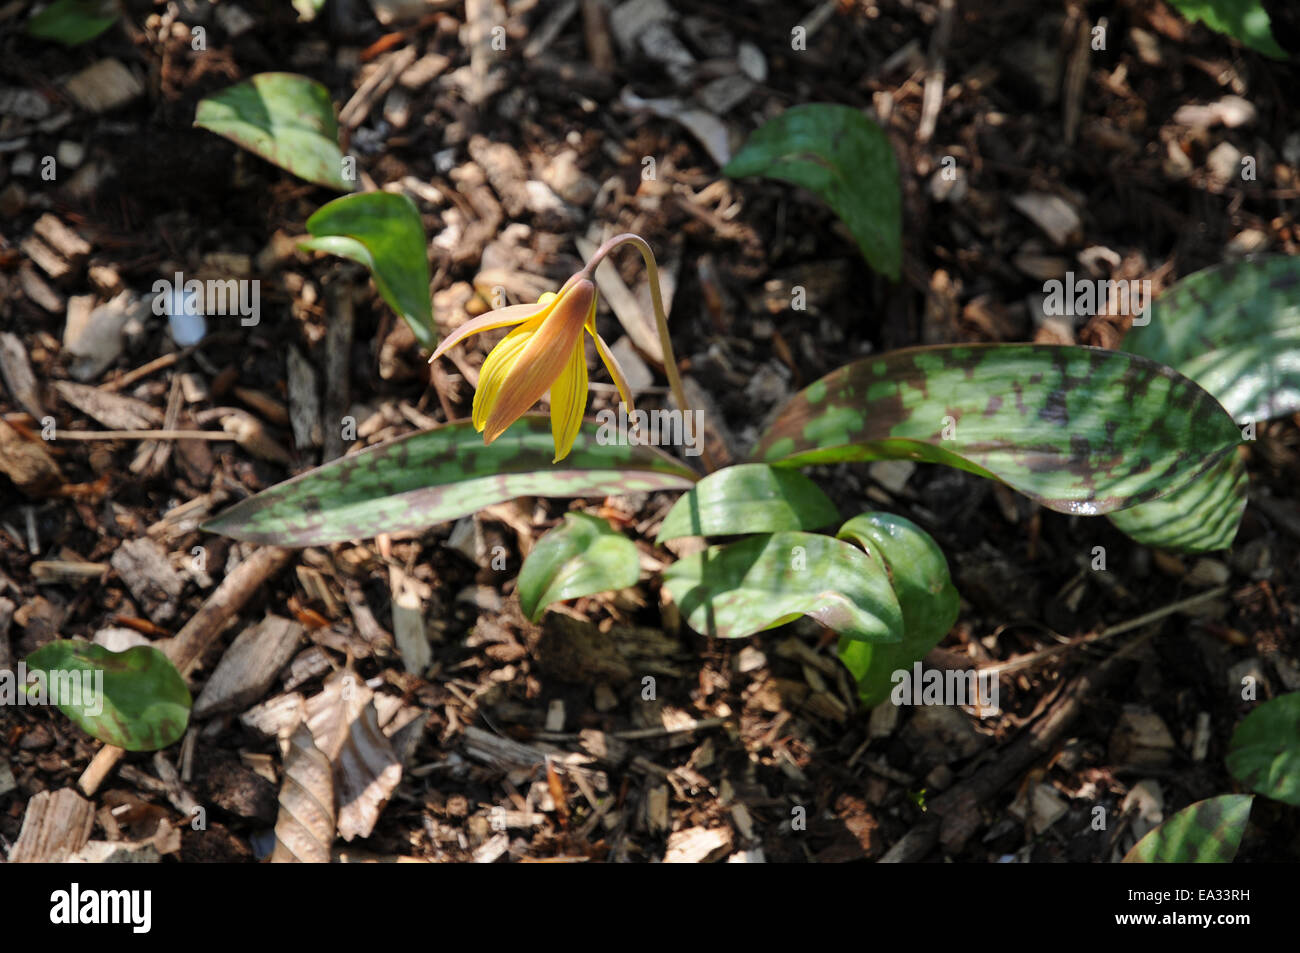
[134, 699]
[416, 481]
[1207, 832]
[843, 157]
[72, 22]
[1265, 751]
[1199, 517]
[749, 498]
[929, 603]
[1244, 20]
[1080, 430]
[382, 231]
[745, 587]
[286, 119]
[581, 556]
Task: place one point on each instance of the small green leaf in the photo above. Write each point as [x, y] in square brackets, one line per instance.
[581, 556]
[1199, 517]
[1235, 330]
[1265, 751]
[382, 231]
[416, 481]
[844, 158]
[1080, 430]
[1244, 20]
[749, 498]
[1207, 832]
[926, 595]
[286, 119]
[134, 699]
[72, 22]
[732, 591]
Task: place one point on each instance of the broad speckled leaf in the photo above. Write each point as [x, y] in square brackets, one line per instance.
[1199, 517]
[1235, 330]
[416, 481]
[846, 159]
[581, 556]
[1265, 751]
[926, 595]
[72, 22]
[1207, 832]
[382, 231]
[1080, 430]
[286, 119]
[134, 699]
[732, 591]
[749, 498]
[1245, 20]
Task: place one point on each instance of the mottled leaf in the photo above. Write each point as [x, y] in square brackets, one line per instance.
[1207, 832]
[1235, 330]
[1244, 20]
[745, 587]
[843, 157]
[749, 498]
[286, 119]
[1078, 429]
[382, 231]
[72, 22]
[411, 483]
[1199, 517]
[580, 556]
[1265, 751]
[929, 602]
[134, 699]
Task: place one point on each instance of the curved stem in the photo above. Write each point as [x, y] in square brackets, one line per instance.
[661, 320]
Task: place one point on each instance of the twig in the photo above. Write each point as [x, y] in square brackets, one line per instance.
[218, 435]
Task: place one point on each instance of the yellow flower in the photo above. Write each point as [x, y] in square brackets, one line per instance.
[544, 352]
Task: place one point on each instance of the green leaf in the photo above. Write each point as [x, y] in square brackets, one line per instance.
[926, 596]
[1235, 330]
[134, 699]
[1207, 832]
[72, 22]
[382, 231]
[1200, 517]
[732, 591]
[844, 158]
[749, 498]
[413, 482]
[581, 556]
[1244, 20]
[286, 119]
[1080, 430]
[1265, 751]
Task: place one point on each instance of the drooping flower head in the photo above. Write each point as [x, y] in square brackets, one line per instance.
[543, 352]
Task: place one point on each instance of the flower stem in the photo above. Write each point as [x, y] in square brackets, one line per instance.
[661, 320]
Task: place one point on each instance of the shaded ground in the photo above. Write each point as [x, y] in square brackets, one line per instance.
[1028, 107]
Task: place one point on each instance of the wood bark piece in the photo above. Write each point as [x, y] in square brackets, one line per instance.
[201, 631]
[57, 825]
[338, 367]
[249, 667]
[103, 86]
[112, 410]
[698, 845]
[27, 464]
[305, 828]
[304, 401]
[16, 370]
[148, 573]
[61, 238]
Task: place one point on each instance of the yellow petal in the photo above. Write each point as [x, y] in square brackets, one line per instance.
[611, 364]
[544, 357]
[500, 318]
[492, 374]
[568, 400]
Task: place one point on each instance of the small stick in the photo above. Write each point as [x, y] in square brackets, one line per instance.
[218, 435]
[157, 364]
